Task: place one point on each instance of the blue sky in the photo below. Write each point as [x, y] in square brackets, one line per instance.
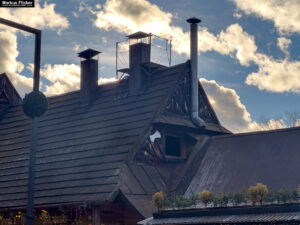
[248, 50]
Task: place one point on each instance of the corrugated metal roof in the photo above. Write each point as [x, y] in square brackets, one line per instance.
[235, 162]
[255, 218]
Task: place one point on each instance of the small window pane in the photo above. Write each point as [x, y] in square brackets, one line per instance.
[172, 146]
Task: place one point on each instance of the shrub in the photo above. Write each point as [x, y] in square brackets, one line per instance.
[252, 195]
[158, 199]
[262, 192]
[225, 199]
[270, 197]
[294, 195]
[257, 193]
[180, 201]
[215, 200]
[206, 197]
[284, 195]
[239, 197]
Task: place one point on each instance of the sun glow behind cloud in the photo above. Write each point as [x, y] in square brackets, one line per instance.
[275, 75]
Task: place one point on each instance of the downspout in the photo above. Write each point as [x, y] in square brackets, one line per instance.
[194, 110]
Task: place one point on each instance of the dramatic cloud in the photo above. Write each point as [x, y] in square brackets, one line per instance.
[129, 16]
[140, 15]
[276, 75]
[9, 63]
[42, 17]
[284, 14]
[227, 105]
[65, 78]
[236, 43]
[232, 113]
[273, 74]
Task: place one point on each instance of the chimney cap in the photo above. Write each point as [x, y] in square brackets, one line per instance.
[139, 35]
[193, 20]
[88, 53]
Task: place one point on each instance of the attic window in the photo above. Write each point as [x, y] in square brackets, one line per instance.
[173, 146]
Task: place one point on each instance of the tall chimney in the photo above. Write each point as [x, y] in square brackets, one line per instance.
[194, 72]
[88, 75]
[139, 54]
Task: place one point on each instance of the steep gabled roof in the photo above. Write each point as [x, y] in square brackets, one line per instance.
[8, 94]
[82, 150]
[234, 162]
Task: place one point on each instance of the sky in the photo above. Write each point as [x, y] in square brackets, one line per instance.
[248, 60]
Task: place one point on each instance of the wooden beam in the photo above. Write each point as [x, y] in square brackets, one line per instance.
[96, 215]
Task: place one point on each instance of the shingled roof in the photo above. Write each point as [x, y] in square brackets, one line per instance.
[8, 94]
[234, 162]
[82, 150]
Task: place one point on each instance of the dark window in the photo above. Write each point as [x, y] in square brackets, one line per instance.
[172, 146]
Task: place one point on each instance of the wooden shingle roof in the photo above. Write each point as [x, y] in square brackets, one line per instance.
[82, 150]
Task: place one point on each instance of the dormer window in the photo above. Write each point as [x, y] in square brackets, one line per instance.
[172, 146]
[165, 144]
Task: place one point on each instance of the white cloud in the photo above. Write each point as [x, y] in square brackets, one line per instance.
[75, 14]
[237, 15]
[271, 124]
[42, 17]
[227, 105]
[276, 75]
[105, 80]
[231, 112]
[65, 78]
[236, 43]
[284, 43]
[76, 47]
[130, 16]
[104, 40]
[273, 75]
[9, 63]
[284, 14]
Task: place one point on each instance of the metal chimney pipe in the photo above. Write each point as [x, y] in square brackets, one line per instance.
[194, 72]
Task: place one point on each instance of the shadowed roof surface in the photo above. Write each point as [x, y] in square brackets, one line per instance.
[234, 162]
[81, 149]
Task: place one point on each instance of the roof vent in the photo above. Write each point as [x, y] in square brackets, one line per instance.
[88, 75]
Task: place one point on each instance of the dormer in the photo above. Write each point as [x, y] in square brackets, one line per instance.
[8, 94]
[166, 144]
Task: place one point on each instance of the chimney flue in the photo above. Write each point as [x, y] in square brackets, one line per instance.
[139, 53]
[194, 110]
[88, 75]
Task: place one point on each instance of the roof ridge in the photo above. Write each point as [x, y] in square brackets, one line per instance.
[280, 130]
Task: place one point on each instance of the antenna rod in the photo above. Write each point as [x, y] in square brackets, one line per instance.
[170, 52]
[117, 43]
